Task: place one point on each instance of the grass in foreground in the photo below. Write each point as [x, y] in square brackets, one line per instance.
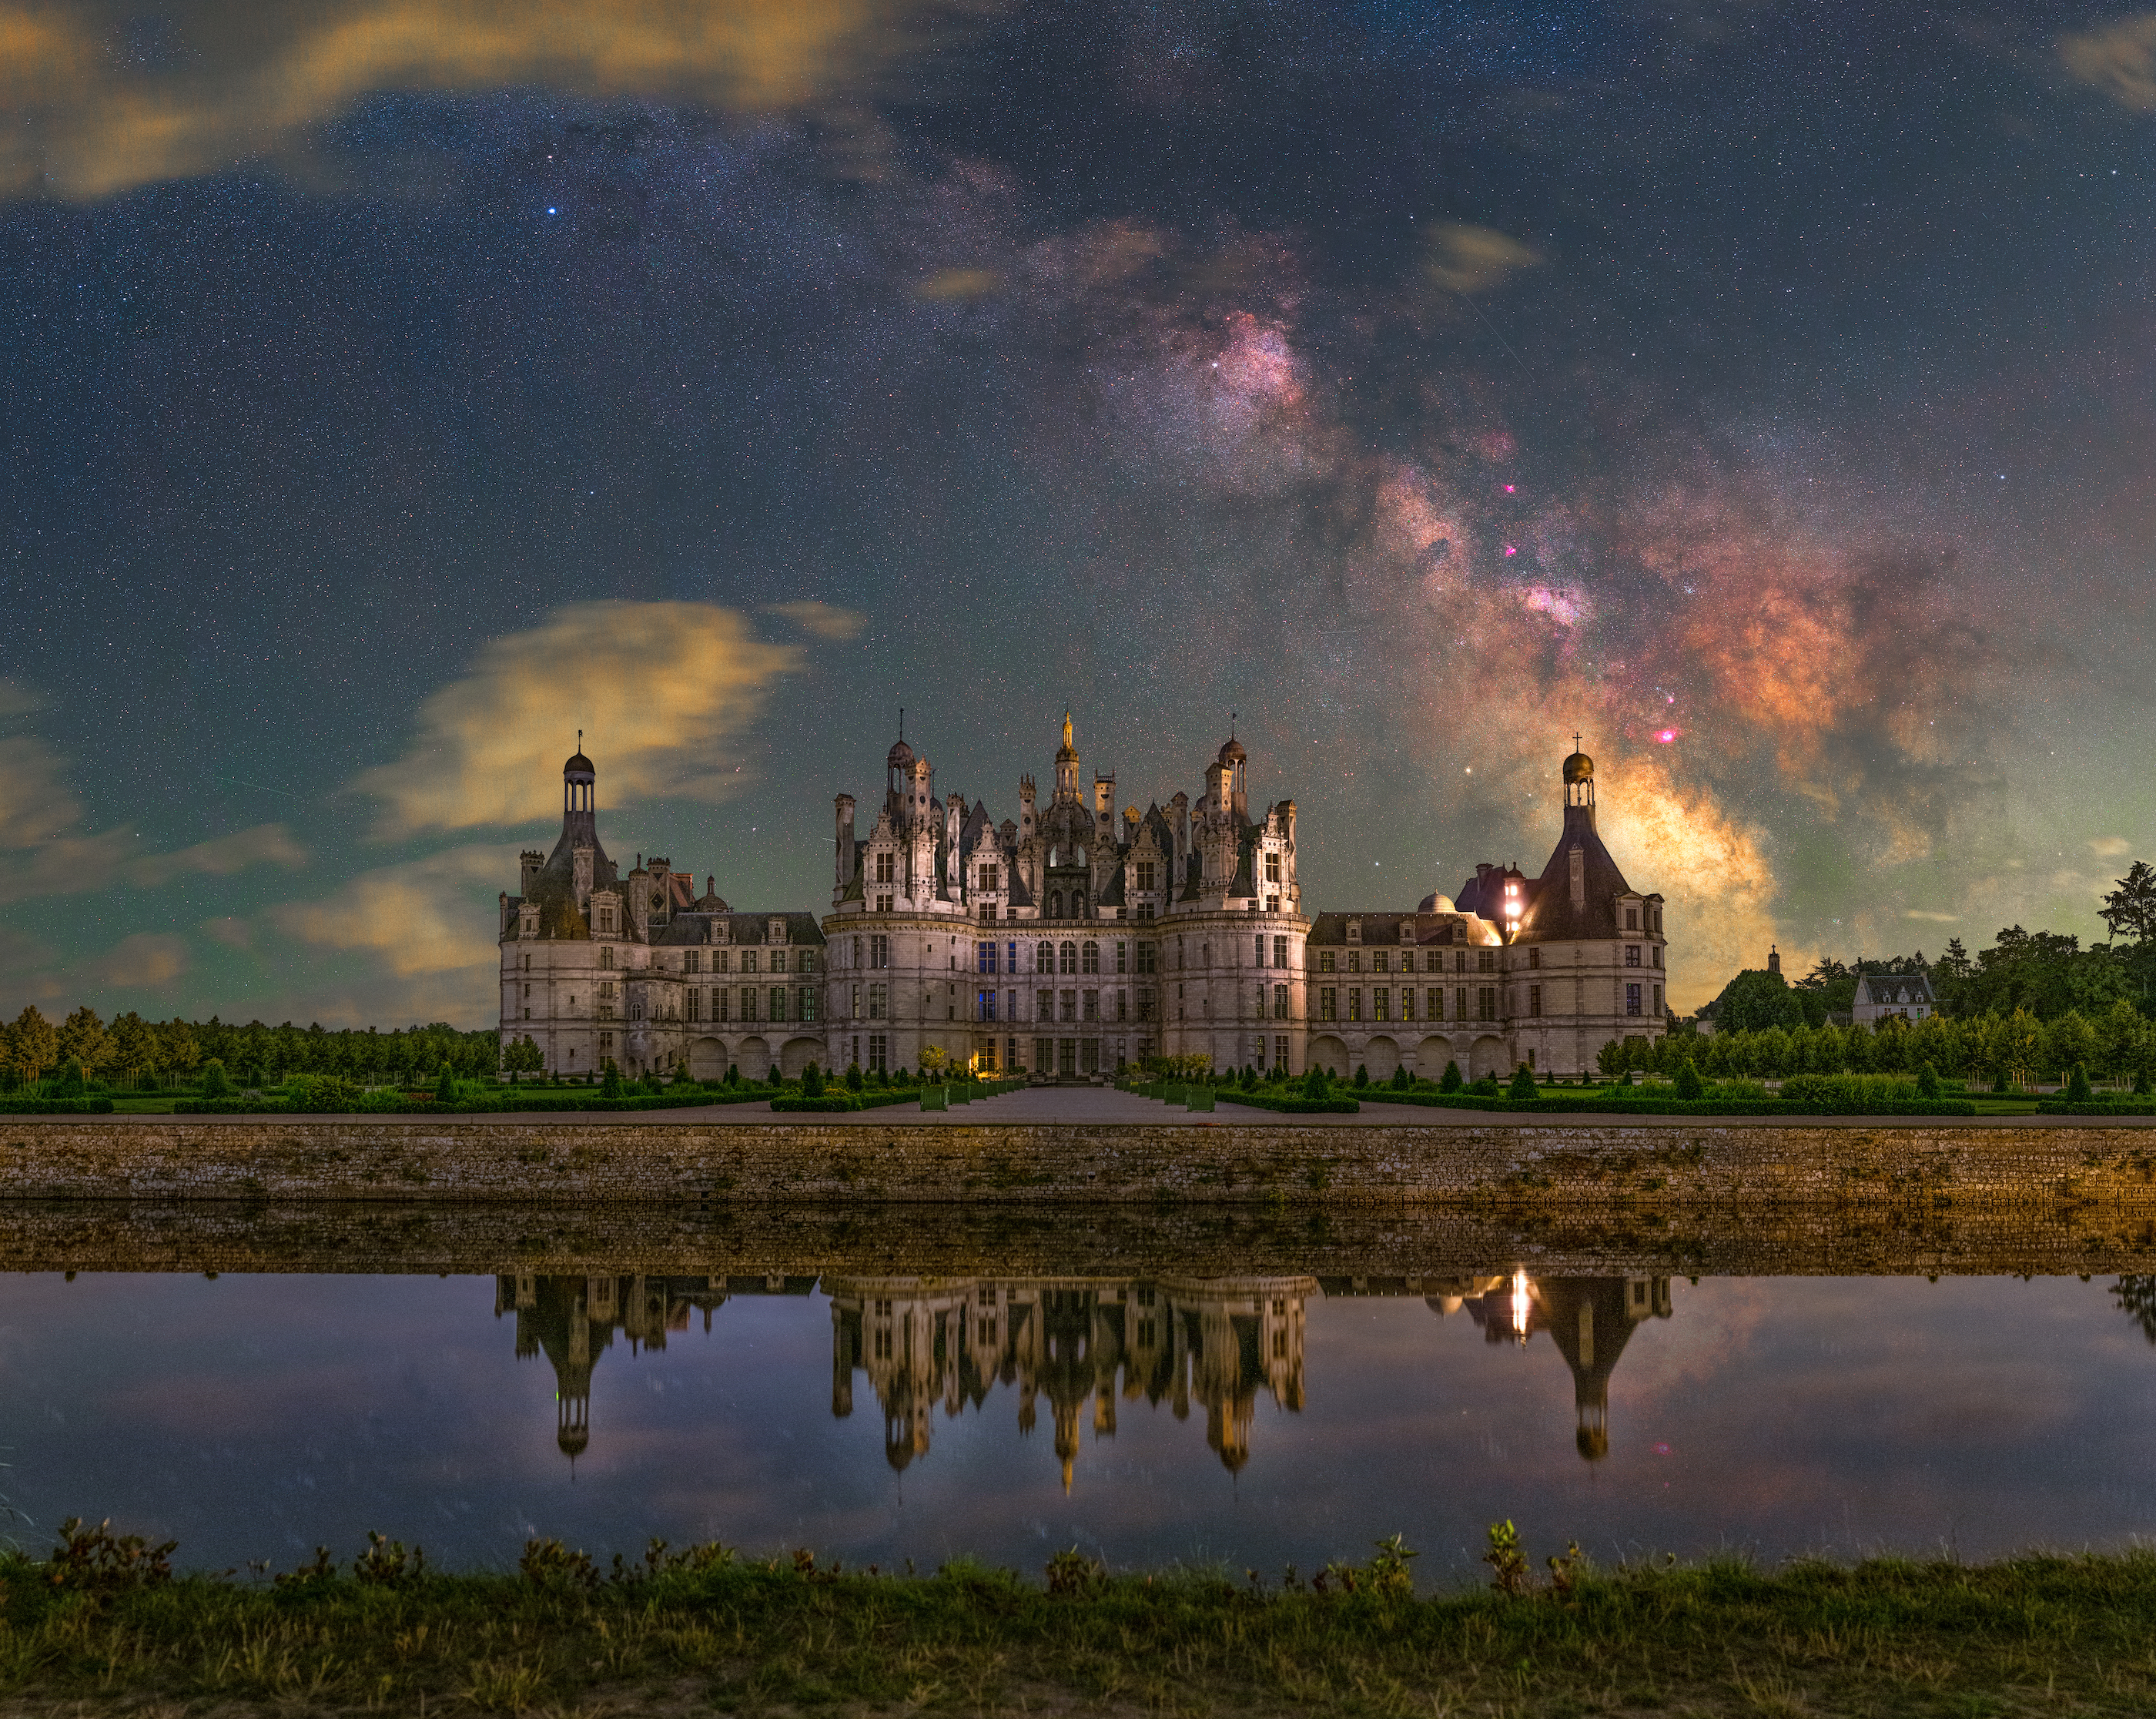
[101, 1627]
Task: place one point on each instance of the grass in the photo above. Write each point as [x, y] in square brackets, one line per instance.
[709, 1631]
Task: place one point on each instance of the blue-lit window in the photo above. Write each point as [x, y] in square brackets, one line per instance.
[984, 954]
[987, 1008]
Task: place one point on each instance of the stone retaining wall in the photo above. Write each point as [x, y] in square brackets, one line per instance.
[1604, 1169]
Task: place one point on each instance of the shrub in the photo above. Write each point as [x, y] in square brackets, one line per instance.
[445, 1085]
[610, 1086]
[94, 1561]
[853, 1077]
[1249, 1080]
[215, 1084]
[733, 1075]
[812, 1082]
[2077, 1086]
[1401, 1080]
[1689, 1085]
[1486, 1087]
[1313, 1084]
[68, 1083]
[1523, 1083]
[1362, 1074]
[2141, 1082]
[321, 1094]
[1928, 1082]
[1450, 1082]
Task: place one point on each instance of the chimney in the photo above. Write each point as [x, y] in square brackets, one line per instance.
[844, 839]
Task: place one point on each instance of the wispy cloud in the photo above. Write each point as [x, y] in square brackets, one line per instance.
[1472, 259]
[84, 125]
[266, 844]
[664, 692]
[2110, 846]
[427, 916]
[820, 620]
[2118, 58]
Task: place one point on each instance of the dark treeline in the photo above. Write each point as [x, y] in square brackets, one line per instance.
[131, 1051]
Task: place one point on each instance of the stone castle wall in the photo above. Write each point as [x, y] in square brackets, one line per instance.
[1581, 1169]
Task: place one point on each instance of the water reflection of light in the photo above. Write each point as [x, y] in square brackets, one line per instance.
[1522, 1305]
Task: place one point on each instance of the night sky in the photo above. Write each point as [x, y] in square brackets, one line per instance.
[391, 388]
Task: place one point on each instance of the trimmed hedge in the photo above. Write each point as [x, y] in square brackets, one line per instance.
[55, 1107]
[2098, 1107]
[1592, 1102]
[822, 1101]
[1291, 1106]
[544, 1102]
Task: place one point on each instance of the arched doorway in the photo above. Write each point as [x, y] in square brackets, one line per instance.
[707, 1059]
[753, 1057]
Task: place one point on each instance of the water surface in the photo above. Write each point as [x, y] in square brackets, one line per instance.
[1257, 1421]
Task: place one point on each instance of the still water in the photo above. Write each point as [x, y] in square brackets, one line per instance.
[1250, 1421]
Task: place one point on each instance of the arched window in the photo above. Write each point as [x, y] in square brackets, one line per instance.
[1070, 958]
[1056, 905]
[1089, 958]
[1045, 959]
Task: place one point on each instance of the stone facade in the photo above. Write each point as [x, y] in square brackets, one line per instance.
[1071, 939]
[642, 970]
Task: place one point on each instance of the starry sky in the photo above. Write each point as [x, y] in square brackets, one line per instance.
[390, 388]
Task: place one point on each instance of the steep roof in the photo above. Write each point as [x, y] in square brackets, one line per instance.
[1894, 990]
[1551, 916]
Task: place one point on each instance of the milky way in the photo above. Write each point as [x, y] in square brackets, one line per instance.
[393, 391]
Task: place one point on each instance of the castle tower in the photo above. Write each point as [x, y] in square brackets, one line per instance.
[1066, 765]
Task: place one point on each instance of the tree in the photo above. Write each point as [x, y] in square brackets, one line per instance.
[1523, 1082]
[2130, 909]
[1689, 1085]
[82, 1037]
[523, 1056]
[32, 1046]
[1754, 1000]
[130, 1047]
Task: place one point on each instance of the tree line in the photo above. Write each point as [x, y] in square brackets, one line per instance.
[131, 1051]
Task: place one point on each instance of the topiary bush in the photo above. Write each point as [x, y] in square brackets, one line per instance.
[445, 1087]
[812, 1082]
[215, 1082]
[1689, 1085]
[2077, 1086]
[1523, 1082]
[1451, 1081]
[854, 1082]
[1362, 1074]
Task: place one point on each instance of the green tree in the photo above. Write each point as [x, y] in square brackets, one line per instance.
[812, 1082]
[1523, 1083]
[82, 1037]
[445, 1085]
[1450, 1081]
[2130, 909]
[214, 1084]
[130, 1047]
[32, 1045]
[1753, 1000]
[523, 1056]
[1689, 1085]
[2069, 1042]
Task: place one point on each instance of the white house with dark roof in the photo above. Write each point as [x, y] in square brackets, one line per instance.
[1883, 996]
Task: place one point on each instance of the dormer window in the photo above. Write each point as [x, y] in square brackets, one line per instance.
[1631, 918]
[1354, 931]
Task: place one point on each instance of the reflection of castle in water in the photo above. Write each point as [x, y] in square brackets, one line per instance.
[923, 1342]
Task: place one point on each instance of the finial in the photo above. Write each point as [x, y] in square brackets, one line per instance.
[1575, 739]
[1231, 724]
[902, 721]
[1066, 728]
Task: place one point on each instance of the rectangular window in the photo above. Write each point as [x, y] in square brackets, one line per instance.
[1122, 1005]
[884, 867]
[1272, 868]
[1122, 957]
[1328, 1002]
[1069, 1005]
[1631, 999]
[1043, 1006]
[1381, 1003]
[984, 1005]
[691, 962]
[1407, 1002]
[1486, 960]
[1258, 950]
[722, 961]
[1381, 960]
[985, 1056]
[988, 881]
[749, 960]
[1092, 1005]
[805, 998]
[1280, 951]
[1534, 958]
[1355, 1003]
[879, 1002]
[1280, 1053]
[1354, 960]
[1460, 1002]
[1280, 1002]
[1044, 1055]
[855, 1010]
[1148, 958]
[1089, 957]
[1325, 960]
[1459, 960]
[1089, 1056]
[1436, 1001]
[1066, 1055]
[1486, 1003]
[1658, 1001]
[778, 1002]
[1535, 1000]
[1658, 954]
[1631, 955]
[1631, 918]
[1145, 1004]
[879, 1053]
[1145, 874]
[984, 958]
[1010, 958]
[695, 1002]
[879, 953]
[748, 1002]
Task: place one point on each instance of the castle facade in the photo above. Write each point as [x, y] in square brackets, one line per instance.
[1071, 939]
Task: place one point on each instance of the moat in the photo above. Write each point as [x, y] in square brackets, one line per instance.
[1260, 1418]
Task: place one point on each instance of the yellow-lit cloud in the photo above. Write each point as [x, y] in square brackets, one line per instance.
[1472, 259]
[432, 915]
[1933, 918]
[959, 284]
[821, 619]
[266, 844]
[85, 127]
[2110, 846]
[143, 961]
[663, 691]
[2118, 58]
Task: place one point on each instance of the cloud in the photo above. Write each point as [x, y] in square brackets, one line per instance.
[145, 961]
[821, 619]
[1472, 259]
[2110, 846]
[230, 930]
[427, 916]
[15, 698]
[266, 844]
[87, 127]
[663, 691]
[1934, 919]
[2118, 58]
[959, 284]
